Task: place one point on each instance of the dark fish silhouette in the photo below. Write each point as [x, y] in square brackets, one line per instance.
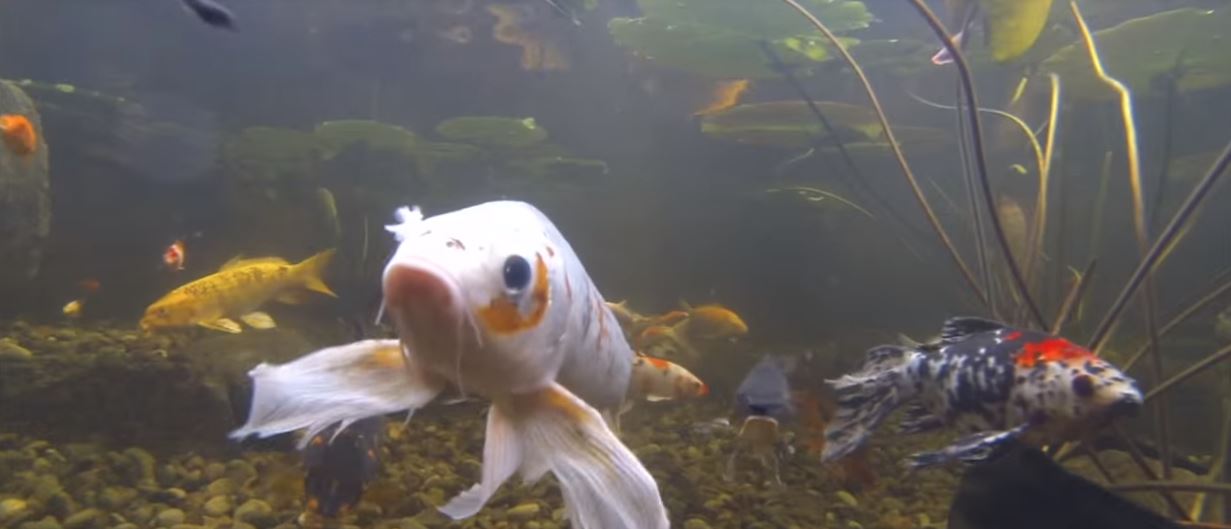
[1022, 488]
[339, 469]
[212, 13]
[765, 390]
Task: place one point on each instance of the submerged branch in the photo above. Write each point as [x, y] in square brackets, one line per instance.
[896, 148]
[976, 133]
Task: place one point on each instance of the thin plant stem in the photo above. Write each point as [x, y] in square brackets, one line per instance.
[896, 148]
[963, 152]
[1074, 297]
[1222, 488]
[1205, 300]
[1194, 370]
[976, 134]
[1140, 460]
[1139, 227]
[1040, 204]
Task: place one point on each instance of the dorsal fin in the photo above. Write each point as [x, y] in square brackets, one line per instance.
[238, 261]
[962, 327]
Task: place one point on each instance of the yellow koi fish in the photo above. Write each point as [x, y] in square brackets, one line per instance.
[238, 289]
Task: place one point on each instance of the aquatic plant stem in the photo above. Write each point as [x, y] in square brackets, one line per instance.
[1074, 297]
[980, 240]
[897, 149]
[976, 134]
[1140, 460]
[1224, 488]
[1194, 370]
[1205, 300]
[1040, 203]
[1139, 224]
[1153, 258]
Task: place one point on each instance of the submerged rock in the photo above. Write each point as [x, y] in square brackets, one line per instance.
[25, 196]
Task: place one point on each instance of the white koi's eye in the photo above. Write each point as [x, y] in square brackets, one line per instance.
[517, 273]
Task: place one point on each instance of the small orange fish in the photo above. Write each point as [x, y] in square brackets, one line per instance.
[811, 420]
[90, 285]
[19, 134]
[656, 379]
[670, 318]
[713, 322]
[726, 94]
[666, 337]
[174, 256]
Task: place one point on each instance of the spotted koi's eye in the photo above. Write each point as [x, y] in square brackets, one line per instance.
[1083, 386]
[516, 273]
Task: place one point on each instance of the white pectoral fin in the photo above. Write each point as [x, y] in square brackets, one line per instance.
[339, 384]
[502, 456]
[603, 483]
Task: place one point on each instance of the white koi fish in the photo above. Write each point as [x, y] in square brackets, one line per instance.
[492, 299]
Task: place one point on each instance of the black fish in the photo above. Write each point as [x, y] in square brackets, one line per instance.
[338, 470]
[212, 13]
[1022, 488]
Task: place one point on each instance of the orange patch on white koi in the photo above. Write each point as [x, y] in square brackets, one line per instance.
[502, 315]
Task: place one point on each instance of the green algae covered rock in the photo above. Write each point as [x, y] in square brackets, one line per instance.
[495, 132]
[25, 195]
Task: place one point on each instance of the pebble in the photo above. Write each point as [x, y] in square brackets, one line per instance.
[696, 523]
[218, 506]
[48, 522]
[848, 498]
[10, 350]
[11, 509]
[255, 512]
[221, 486]
[523, 512]
[170, 517]
[85, 519]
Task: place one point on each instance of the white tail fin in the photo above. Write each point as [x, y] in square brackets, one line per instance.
[337, 384]
[603, 483]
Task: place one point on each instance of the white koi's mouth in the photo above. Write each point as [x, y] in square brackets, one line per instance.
[427, 307]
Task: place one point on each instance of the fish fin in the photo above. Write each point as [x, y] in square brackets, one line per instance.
[959, 329]
[965, 18]
[502, 455]
[239, 261]
[969, 449]
[603, 484]
[865, 398]
[292, 297]
[918, 420]
[311, 270]
[222, 324]
[943, 56]
[343, 384]
[907, 341]
[259, 320]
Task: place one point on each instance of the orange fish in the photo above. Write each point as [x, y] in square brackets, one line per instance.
[73, 308]
[811, 420]
[657, 379]
[713, 322]
[726, 94]
[90, 285]
[666, 337]
[19, 134]
[173, 257]
[670, 318]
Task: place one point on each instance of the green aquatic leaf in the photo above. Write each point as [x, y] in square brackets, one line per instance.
[490, 131]
[337, 135]
[714, 52]
[269, 154]
[768, 20]
[1189, 43]
[1013, 26]
[790, 124]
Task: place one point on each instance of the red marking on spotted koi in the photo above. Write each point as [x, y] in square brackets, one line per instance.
[1012, 336]
[1050, 350]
